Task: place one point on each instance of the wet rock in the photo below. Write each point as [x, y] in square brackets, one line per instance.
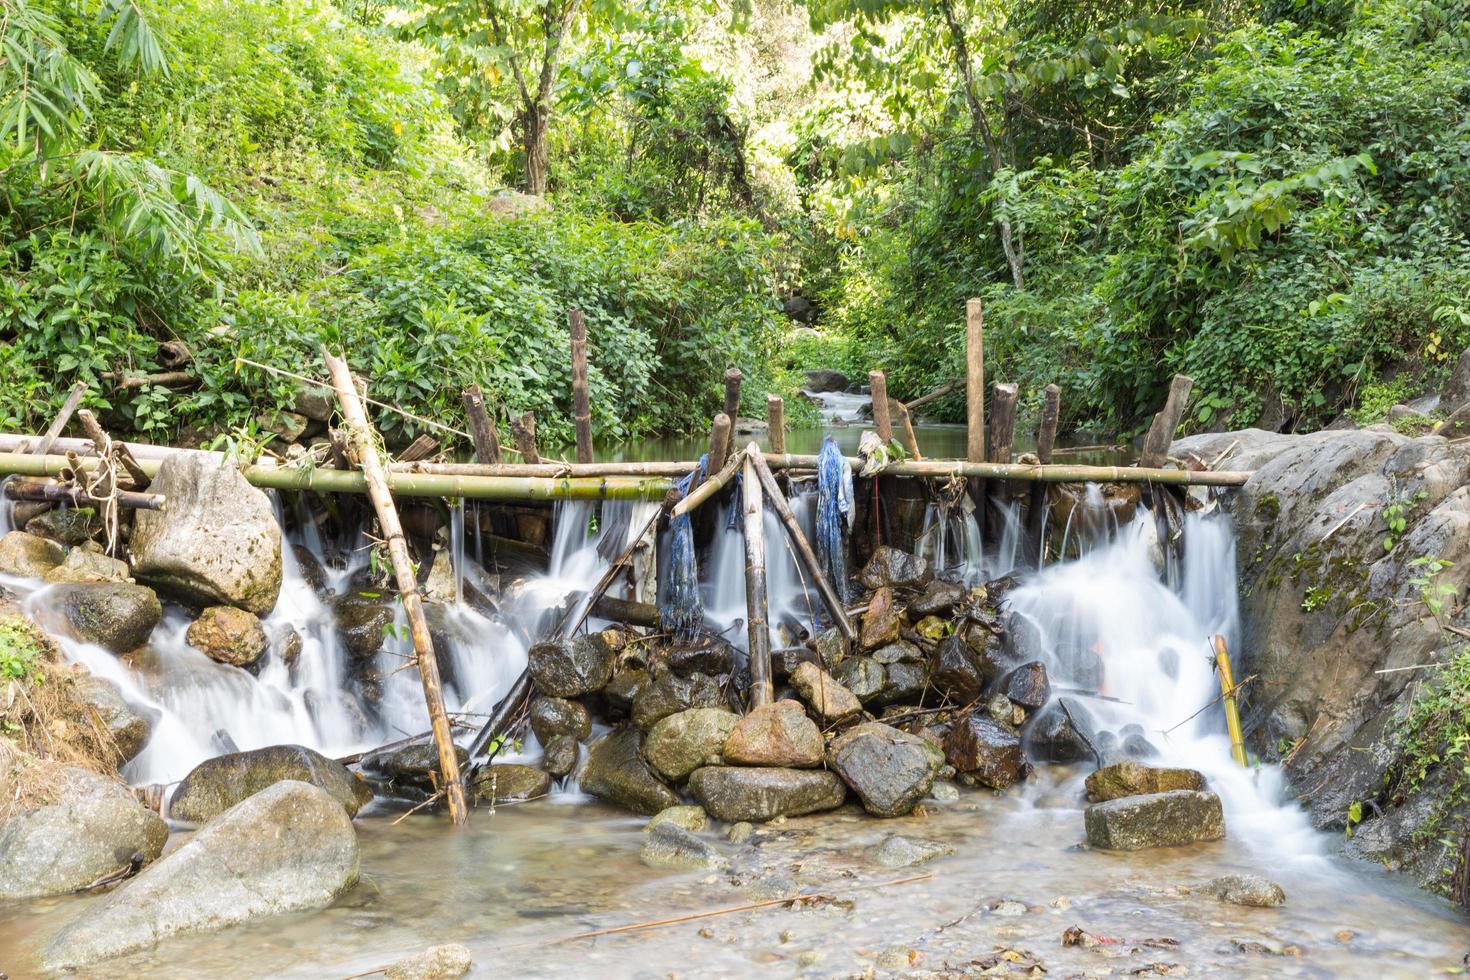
[682, 742]
[831, 647]
[508, 783]
[93, 830]
[937, 599]
[616, 772]
[71, 526]
[954, 671]
[890, 770]
[740, 832]
[287, 848]
[822, 693]
[1003, 710]
[990, 652]
[667, 845]
[414, 766]
[571, 668]
[785, 661]
[128, 728]
[435, 963]
[1026, 686]
[896, 653]
[708, 655]
[310, 568]
[734, 794]
[229, 636]
[863, 676]
[777, 734]
[1050, 736]
[1249, 890]
[902, 683]
[901, 852]
[944, 792]
[1155, 820]
[28, 555]
[217, 543]
[622, 691]
[667, 693]
[217, 784]
[286, 643]
[1133, 779]
[824, 380]
[1024, 641]
[551, 717]
[114, 615]
[691, 818]
[895, 569]
[882, 622]
[362, 621]
[985, 749]
[560, 757]
[84, 565]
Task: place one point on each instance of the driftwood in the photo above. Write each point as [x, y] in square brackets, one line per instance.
[73, 399]
[581, 399]
[756, 607]
[79, 497]
[1161, 431]
[421, 448]
[776, 423]
[120, 450]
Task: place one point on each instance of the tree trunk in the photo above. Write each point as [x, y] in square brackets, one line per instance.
[534, 120]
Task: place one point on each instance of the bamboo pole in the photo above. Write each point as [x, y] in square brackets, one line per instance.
[482, 430]
[709, 487]
[581, 399]
[1046, 437]
[803, 548]
[1232, 712]
[910, 437]
[1053, 473]
[73, 399]
[756, 612]
[732, 393]
[776, 423]
[882, 422]
[408, 587]
[548, 470]
[1161, 431]
[523, 430]
[99, 438]
[59, 492]
[975, 380]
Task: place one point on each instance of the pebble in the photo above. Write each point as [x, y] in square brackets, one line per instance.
[434, 963]
[899, 852]
[944, 793]
[896, 957]
[1009, 908]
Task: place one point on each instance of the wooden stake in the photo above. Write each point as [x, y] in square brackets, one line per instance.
[421, 448]
[403, 571]
[581, 400]
[523, 430]
[1002, 423]
[975, 380]
[1166, 422]
[882, 422]
[73, 399]
[99, 438]
[756, 613]
[776, 423]
[482, 430]
[909, 435]
[1046, 437]
[720, 434]
[732, 393]
[1227, 688]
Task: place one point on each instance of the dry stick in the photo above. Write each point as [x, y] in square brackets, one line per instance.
[804, 552]
[756, 609]
[710, 486]
[73, 399]
[421, 448]
[482, 430]
[1046, 437]
[167, 379]
[581, 400]
[523, 430]
[1161, 431]
[776, 423]
[732, 393]
[77, 496]
[99, 438]
[882, 423]
[1231, 692]
[934, 395]
[423, 643]
[1338, 526]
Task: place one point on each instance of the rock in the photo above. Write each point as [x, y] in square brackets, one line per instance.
[217, 784]
[890, 770]
[831, 648]
[824, 695]
[1249, 890]
[802, 310]
[507, 783]
[691, 818]
[286, 643]
[560, 757]
[1026, 685]
[71, 526]
[986, 749]
[901, 852]
[863, 676]
[362, 621]
[551, 717]
[901, 652]
[229, 636]
[1456, 391]
[1155, 820]
[668, 845]
[954, 671]
[287, 848]
[435, 963]
[286, 426]
[786, 660]
[411, 766]
[733, 793]
[128, 728]
[682, 742]
[571, 668]
[84, 565]
[937, 599]
[944, 792]
[903, 682]
[311, 568]
[28, 555]
[217, 543]
[1132, 779]
[1050, 736]
[622, 691]
[882, 622]
[889, 567]
[740, 832]
[314, 401]
[708, 655]
[824, 380]
[667, 693]
[114, 615]
[616, 772]
[93, 830]
[777, 734]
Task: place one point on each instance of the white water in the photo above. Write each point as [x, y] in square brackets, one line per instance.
[791, 598]
[838, 407]
[952, 542]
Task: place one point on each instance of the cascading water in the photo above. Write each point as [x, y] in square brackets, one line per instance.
[952, 542]
[839, 407]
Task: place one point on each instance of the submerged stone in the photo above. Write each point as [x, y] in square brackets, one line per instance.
[734, 794]
[1169, 819]
[1249, 890]
[435, 963]
[668, 845]
[901, 852]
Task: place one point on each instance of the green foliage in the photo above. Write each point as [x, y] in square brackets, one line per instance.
[1434, 739]
[21, 653]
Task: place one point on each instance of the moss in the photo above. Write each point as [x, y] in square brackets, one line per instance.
[1268, 508]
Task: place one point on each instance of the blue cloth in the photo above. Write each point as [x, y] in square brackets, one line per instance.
[682, 610]
[834, 511]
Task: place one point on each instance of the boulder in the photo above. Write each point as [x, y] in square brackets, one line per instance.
[622, 691]
[937, 599]
[901, 852]
[571, 668]
[892, 568]
[691, 818]
[682, 742]
[986, 749]
[229, 636]
[863, 676]
[1169, 819]
[777, 734]
[668, 845]
[706, 655]
[102, 699]
[84, 565]
[508, 783]
[551, 717]
[217, 784]
[666, 693]
[890, 770]
[1249, 890]
[217, 543]
[1456, 391]
[28, 555]
[1026, 685]
[70, 525]
[314, 401]
[114, 615]
[954, 671]
[824, 695]
[287, 848]
[824, 380]
[560, 757]
[435, 963]
[95, 829]
[616, 772]
[362, 621]
[414, 766]
[1051, 735]
[882, 622]
[1133, 779]
[733, 794]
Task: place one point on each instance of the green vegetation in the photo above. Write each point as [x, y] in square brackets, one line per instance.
[21, 653]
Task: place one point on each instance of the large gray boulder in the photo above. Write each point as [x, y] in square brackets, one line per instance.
[113, 615]
[890, 770]
[217, 542]
[287, 848]
[217, 784]
[734, 794]
[94, 830]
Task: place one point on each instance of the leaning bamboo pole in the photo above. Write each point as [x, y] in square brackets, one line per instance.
[710, 486]
[756, 604]
[408, 586]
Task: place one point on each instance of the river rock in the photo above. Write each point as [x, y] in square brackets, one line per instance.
[786, 660]
[831, 648]
[1250, 890]
[895, 569]
[682, 742]
[114, 615]
[954, 671]
[70, 526]
[1155, 820]
[128, 728]
[560, 756]
[901, 852]
[733, 793]
[1134, 779]
[901, 652]
[863, 676]
[882, 622]
[412, 766]
[777, 734]
[823, 380]
[667, 845]
[28, 555]
[691, 818]
[217, 543]
[903, 682]
[986, 749]
[287, 848]
[94, 830]
[1026, 685]
[229, 636]
[824, 695]
[1051, 736]
[706, 655]
[616, 772]
[571, 668]
[622, 691]
[217, 784]
[362, 622]
[937, 599]
[890, 770]
[435, 963]
[84, 565]
[507, 782]
[551, 717]
[666, 693]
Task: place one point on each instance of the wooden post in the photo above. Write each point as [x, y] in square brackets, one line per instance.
[1161, 432]
[1002, 423]
[403, 571]
[73, 399]
[421, 448]
[581, 400]
[1038, 508]
[482, 430]
[882, 422]
[761, 691]
[732, 393]
[975, 381]
[776, 423]
[720, 433]
[523, 430]
[909, 435]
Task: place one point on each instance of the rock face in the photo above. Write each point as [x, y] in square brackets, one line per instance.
[229, 636]
[1132, 779]
[29, 556]
[571, 668]
[217, 543]
[777, 734]
[830, 700]
[1133, 823]
[734, 793]
[682, 742]
[617, 773]
[889, 770]
[129, 729]
[508, 783]
[551, 717]
[93, 831]
[987, 750]
[1250, 890]
[287, 848]
[217, 784]
[117, 616]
